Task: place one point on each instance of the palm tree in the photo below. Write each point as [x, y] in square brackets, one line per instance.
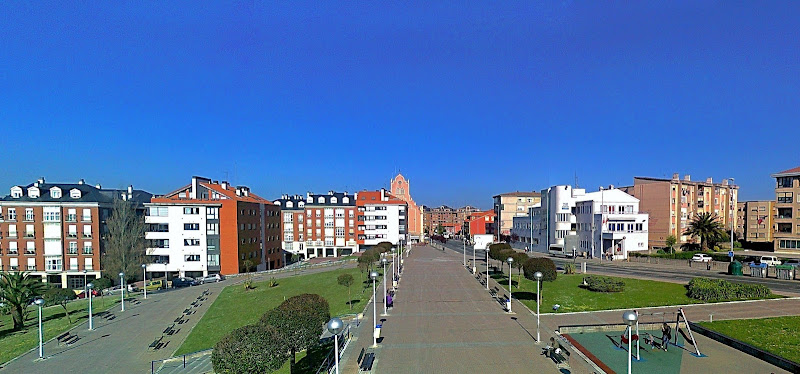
[707, 227]
[16, 290]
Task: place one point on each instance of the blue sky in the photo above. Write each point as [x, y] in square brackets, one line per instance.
[467, 99]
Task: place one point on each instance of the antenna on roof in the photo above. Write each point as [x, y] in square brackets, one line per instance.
[576, 180]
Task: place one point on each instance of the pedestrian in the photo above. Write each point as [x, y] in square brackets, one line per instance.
[666, 335]
[389, 302]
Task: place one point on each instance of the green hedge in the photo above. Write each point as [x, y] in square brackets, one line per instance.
[604, 284]
[542, 264]
[721, 290]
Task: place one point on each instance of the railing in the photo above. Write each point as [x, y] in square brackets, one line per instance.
[328, 364]
[178, 361]
[72, 251]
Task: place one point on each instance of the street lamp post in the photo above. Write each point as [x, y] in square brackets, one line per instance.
[510, 261]
[335, 326]
[538, 276]
[630, 318]
[144, 282]
[122, 290]
[733, 212]
[384, 261]
[374, 276]
[85, 279]
[487, 269]
[90, 286]
[39, 302]
[465, 252]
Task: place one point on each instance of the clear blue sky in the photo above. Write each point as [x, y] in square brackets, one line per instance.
[467, 100]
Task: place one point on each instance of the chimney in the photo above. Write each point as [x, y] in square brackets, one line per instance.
[81, 181]
[676, 176]
[724, 182]
[41, 180]
[330, 192]
[687, 178]
[238, 191]
[36, 184]
[245, 191]
[224, 185]
[130, 189]
[709, 180]
[383, 194]
[98, 186]
[610, 186]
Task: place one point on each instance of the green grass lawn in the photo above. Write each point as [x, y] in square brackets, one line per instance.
[55, 322]
[235, 307]
[566, 292]
[776, 335]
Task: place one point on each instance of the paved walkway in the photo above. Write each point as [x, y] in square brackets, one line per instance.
[445, 322]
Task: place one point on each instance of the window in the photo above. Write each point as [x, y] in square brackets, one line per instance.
[784, 182]
[12, 214]
[30, 249]
[73, 248]
[321, 200]
[158, 243]
[16, 192]
[158, 227]
[75, 193]
[213, 260]
[160, 211]
[52, 215]
[190, 210]
[87, 248]
[334, 200]
[32, 263]
[340, 232]
[192, 258]
[12, 248]
[29, 214]
[87, 215]
[212, 213]
[191, 242]
[212, 229]
[73, 231]
[53, 264]
[29, 233]
[13, 263]
[87, 231]
[87, 263]
[33, 192]
[191, 226]
[55, 193]
[785, 197]
[329, 242]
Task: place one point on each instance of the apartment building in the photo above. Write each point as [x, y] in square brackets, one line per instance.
[673, 203]
[319, 225]
[444, 216]
[609, 224]
[755, 221]
[481, 223]
[209, 227]
[787, 205]
[401, 189]
[382, 217]
[552, 221]
[512, 204]
[55, 230]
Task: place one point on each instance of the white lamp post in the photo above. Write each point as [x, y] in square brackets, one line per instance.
[90, 286]
[474, 265]
[335, 326]
[374, 276]
[39, 302]
[487, 269]
[538, 276]
[510, 261]
[630, 318]
[465, 252]
[384, 261]
[733, 212]
[122, 290]
[85, 279]
[144, 282]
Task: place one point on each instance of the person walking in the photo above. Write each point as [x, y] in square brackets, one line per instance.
[666, 335]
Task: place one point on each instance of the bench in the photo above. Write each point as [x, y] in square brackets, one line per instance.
[366, 364]
[561, 357]
[71, 340]
[64, 337]
[361, 356]
[155, 343]
[169, 328]
[493, 292]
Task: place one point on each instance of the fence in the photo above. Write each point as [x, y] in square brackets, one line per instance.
[196, 362]
[328, 364]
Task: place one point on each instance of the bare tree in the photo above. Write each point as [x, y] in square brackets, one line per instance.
[124, 242]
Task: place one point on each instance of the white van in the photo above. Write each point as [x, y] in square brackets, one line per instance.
[770, 260]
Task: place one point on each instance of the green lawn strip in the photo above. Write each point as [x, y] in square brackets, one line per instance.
[776, 335]
[55, 322]
[566, 292]
[235, 307]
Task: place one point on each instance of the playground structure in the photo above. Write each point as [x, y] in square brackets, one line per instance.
[681, 327]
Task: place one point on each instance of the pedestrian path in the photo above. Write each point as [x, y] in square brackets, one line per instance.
[444, 321]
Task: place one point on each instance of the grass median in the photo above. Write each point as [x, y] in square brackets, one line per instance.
[55, 322]
[776, 335]
[236, 307]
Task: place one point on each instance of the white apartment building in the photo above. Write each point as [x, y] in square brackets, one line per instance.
[553, 220]
[381, 218]
[183, 239]
[609, 223]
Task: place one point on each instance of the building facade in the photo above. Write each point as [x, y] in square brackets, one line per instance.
[609, 224]
[401, 188]
[443, 216]
[512, 204]
[787, 205]
[672, 204]
[55, 230]
[552, 222]
[381, 218]
[755, 222]
[481, 223]
[210, 227]
[319, 225]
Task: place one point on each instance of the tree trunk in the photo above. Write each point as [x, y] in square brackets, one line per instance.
[66, 311]
[16, 315]
[349, 298]
[291, 362]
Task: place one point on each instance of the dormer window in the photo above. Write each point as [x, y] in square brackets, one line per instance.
[301, 204]
[55, 193]
[33, 192]
[16, 192]
[334, 200]
[289, 204]
[345, 200]
[321, 200]
[75, 193]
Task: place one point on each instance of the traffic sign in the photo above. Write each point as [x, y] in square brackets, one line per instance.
[730, 253]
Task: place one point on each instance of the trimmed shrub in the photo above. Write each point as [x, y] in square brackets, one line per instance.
[542, 264]
[604, 284]
[101, 283]
[496, 248]
[721, 290]
[301, 319]
[250, 349]
[569, 268]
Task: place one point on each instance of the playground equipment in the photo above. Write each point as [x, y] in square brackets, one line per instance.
[680, 316]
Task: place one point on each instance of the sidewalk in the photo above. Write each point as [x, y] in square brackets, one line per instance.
[444, 321]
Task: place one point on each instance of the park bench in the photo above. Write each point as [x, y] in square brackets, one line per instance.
[360, 356]
[155, 343]
[169, 328]
[63, 338]
[177, 320]
[366, 363]
[561, 357]
[183, 321]
[493, 292]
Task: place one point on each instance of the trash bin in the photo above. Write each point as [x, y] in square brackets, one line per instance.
[784, 272]
[758, 270]
[735, 268]
[378, 331]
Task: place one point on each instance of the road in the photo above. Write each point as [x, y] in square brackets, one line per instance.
[659, 272]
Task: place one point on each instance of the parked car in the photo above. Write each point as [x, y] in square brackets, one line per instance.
[770, 260]
[82, 294]
[155, 285]
[699, 257]
[794, 262]
[211, 278]
[183, 282]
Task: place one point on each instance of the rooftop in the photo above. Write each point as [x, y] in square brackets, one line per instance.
[521, 193]
[787, 173]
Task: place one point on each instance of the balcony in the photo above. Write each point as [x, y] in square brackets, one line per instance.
[73, 235]
[87, 251]
[31, 267]
[72, 218]
[30, 252]
[72, 251]
[86, 236]
[785, 200]
[30, 235]
[14, 268]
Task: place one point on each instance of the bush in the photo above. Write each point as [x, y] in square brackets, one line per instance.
[604, 284]
[250, 349]
[301, 319]
[569, 268]
[721, 290]
[101, 283]
[495, 249]
[660, 251]
[544, 265]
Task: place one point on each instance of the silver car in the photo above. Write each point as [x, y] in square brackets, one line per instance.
[212, 278]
